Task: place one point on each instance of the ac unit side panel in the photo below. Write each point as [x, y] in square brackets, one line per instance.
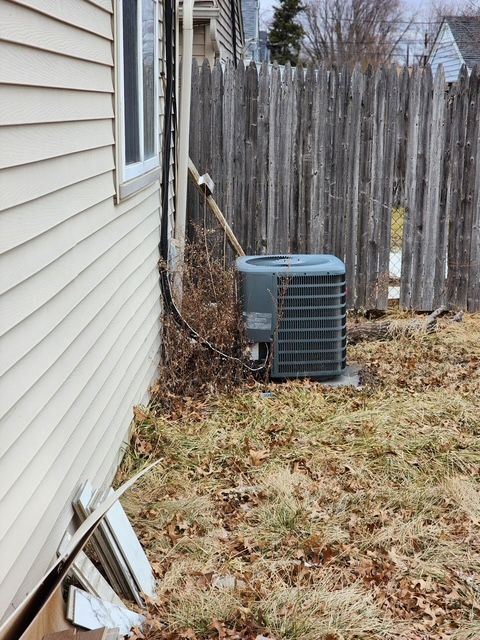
[258, 297]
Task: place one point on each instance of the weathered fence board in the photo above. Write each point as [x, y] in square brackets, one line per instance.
[352, 174]
[317, 160]
[456, 277]
[473, 296]
[433, 254]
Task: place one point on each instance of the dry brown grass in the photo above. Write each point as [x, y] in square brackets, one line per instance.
[334, 514]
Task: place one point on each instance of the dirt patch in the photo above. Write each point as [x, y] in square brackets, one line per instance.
[315, 513]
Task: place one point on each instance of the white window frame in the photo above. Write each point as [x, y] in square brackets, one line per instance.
[129, 172]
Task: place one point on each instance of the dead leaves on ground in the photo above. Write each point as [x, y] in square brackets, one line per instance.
[276, 515]
[257, 457]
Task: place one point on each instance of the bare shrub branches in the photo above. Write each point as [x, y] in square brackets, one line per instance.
[356, 31]
[211, 306]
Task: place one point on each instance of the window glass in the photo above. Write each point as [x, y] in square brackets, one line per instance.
[138, 54]
[130, 81]
[148, 36]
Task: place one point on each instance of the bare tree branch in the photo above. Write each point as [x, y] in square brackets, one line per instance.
[354, 31]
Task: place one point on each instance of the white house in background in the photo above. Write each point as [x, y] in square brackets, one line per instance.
[457, 42]
[263, 50]
[81, 115]
[251, 25]
[218, 32]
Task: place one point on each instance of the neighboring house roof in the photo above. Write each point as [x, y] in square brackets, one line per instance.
[466, 33]
[457, 42]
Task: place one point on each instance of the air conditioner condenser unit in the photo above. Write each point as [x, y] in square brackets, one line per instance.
[294, 307]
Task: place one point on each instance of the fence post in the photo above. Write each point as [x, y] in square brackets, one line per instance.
[366, 137]
[456, 277]
[319, 204]
[466, 222]
[251, 138]
[273, 159]
[262, 159]
[352, 179]
[473, 298]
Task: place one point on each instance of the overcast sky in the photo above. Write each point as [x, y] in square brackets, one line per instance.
[415, 8]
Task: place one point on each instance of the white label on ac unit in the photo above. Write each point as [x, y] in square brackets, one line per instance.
[255, 351]
[257, 320]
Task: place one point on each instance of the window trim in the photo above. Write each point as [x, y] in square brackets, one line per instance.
[133, 173]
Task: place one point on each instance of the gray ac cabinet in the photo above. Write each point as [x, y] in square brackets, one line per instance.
[294, 307]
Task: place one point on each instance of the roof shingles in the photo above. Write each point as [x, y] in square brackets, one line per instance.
[466, 32]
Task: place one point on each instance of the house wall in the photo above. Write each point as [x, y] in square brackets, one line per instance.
[445, 52]
[225, 31]
[201, 47]
[218, 29]
[79, 307]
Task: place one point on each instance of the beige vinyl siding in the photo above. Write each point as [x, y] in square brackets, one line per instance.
[24, 183]
[33, 67]
[81, 14]
[27, 105]
[80, 300]
[25, 144]
[203, 47]
[200, 50]
[34, 30]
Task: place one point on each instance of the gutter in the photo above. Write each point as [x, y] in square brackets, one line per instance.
[202, 13]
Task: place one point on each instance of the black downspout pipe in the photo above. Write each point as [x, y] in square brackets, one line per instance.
[234, 30]
[167, 123]
[167, 147]
[165, 286]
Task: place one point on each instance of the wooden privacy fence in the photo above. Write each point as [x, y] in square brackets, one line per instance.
[318, 160]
